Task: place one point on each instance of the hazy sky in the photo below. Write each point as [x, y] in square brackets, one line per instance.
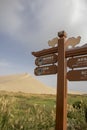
[27, 25]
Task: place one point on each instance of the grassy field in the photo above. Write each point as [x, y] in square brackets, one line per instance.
[20, 111]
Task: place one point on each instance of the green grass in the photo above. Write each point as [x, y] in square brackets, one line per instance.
[75, 98]
[19, 111]
[26, 112]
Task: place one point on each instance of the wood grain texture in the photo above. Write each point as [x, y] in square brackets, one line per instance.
[77, 51]
[77, 62]
[77, 75]
[61, 110]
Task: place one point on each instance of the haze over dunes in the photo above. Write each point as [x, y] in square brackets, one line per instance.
[24, 83]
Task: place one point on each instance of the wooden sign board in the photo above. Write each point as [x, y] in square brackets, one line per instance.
[77, 75]
[77, 51]
[45, 70]
[48, 59]
[77, 62]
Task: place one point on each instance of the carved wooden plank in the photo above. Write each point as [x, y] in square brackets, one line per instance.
[77, 75]
[47, 59]
[77, 62]
[45, 70]
[68, 53]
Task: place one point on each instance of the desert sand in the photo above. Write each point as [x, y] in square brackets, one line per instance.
[24, 83]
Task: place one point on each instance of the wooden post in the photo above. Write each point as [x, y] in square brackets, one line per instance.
[61, 105]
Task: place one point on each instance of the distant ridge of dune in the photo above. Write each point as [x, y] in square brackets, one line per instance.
[76, 93]
[24, 83]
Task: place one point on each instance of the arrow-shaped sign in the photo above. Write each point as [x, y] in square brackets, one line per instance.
[47, 59]
[77, 75]
[45, 70]
[77, 62]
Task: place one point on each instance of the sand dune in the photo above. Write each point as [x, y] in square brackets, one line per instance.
[27, 84]
[24, 83]
[76, 93]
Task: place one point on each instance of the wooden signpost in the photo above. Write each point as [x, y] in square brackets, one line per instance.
[48, 56]
[56, 57]
[77, 75]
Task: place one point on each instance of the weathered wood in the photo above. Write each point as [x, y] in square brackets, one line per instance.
[45, 52]
[45, 70]
[61, 104]
[76, 51]
[77, 75]
[62, 34]
[47, 59]
[69, 53]
[77, 62]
